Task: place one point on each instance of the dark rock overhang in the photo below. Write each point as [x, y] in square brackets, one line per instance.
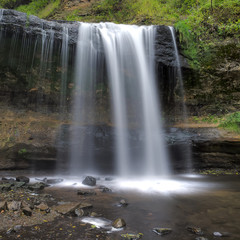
[13, 21]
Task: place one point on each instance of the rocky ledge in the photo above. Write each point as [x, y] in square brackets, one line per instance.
[14, 21]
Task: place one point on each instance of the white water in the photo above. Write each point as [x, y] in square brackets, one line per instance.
[64, 63]
[130, 62]
[179, 72]
[129, 54]
[84, 99]
[188, 154]
[1, 14]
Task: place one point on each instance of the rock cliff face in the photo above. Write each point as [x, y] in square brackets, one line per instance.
[31, 72]
[25, 61]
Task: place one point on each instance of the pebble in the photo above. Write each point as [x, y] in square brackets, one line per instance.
[195, 230]
[119, 223]
[162, 231]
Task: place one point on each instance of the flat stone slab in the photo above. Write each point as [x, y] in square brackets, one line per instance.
[69, 208]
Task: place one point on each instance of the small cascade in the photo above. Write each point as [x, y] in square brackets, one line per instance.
[64, 70]
[179, 75]
[1, 17]
[46, 52]
[187, 151]
[1, 14]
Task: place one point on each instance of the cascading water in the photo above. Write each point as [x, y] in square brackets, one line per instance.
[179, 74]
[64, 63]
[1, 14]
[81, 152]
[129, 56]
[187, 151]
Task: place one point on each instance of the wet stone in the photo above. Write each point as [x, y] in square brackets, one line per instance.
[108, 178]
[119, 223]
[131, 236]
[94, 214]
[17, 228]
[8, 179]
[22, 179]
[18, 185]
[69, 208]
[9, 231]
[42, 207]
[37, 186]
[162, 231]
[79, 212]
[86, 193]
[195, 230]
[53, 181]
[27, 211]
[90, 181]
[105, 189]
[3, 206]
[5, 186]
[223, 234]
[14, 206]
[123, 203]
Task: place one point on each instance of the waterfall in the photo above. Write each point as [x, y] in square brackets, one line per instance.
[187, 151]
[179, 73]
[129, 56]
[83, 110]
[64, 70]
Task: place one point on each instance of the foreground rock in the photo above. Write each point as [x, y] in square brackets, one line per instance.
[162, 231]
[90, 181]
[86, 193]
[22, 179]
[131, 236]
[71, 208]
[119, 223]
[195, 230]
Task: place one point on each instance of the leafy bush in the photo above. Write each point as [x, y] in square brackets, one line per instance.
[12, 3]
[232, 122]
[206, 27]
[40, 8]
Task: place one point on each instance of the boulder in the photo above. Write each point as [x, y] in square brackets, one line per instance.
[90, 181]
[14, 206]
[3, 206]
[22, 179]
[86, 193]
[43, 207]
[27, 211]
[69, 208]
[37, 186]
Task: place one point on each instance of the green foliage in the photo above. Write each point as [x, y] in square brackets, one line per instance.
[22, 152]
[207, 27]
[40, 8]
[232, 122]
[208, 119]
[12, 3]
